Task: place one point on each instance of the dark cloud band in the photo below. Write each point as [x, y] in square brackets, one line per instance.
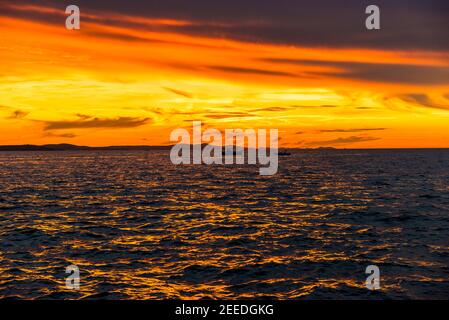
[86, 123]
[405, 24]
[376, 72]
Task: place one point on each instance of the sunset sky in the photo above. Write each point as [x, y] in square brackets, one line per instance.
[139, 69]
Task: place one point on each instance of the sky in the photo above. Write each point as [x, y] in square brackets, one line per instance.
[136, 70]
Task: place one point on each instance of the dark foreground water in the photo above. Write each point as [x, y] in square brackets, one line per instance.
[139, 227]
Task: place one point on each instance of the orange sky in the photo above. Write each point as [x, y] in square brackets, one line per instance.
[117, 85]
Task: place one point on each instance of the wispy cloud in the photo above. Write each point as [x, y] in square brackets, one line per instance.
[292, 107]
[271, 109]
[228, 115]
[18, 114]
[121, 122]
[179, 92]
[351, 130]
[61, 135]
[250, 71]
[423, 100]
[376, 72]
[339, 141]
[315, 107]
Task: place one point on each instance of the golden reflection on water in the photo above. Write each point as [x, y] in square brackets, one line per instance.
[150, 230]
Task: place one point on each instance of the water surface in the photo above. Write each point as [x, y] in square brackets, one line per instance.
[139, 227]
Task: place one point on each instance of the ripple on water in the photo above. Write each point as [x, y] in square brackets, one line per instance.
[139, 227]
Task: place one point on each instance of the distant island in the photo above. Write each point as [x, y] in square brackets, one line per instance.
[72, 147]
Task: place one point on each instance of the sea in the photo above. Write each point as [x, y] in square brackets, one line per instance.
[138, 227]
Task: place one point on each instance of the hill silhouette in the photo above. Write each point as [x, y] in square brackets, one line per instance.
[70, 147]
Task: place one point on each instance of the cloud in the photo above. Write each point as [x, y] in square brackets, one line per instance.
[280, 109]
[179, 92]
[250, 71]
[405, 24]
[351, 130]
[86, 123]
[271, 109]
[376, 72]
[315, 107]
[119, 36]
[83, 116]
[228, 115]
[62, 135]
[18, 114]
[423, 100]
[339, 141]
[124, 37]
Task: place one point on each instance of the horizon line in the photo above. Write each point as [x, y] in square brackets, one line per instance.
[171, 145]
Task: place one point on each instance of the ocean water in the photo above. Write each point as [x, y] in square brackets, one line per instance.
[139, 227]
